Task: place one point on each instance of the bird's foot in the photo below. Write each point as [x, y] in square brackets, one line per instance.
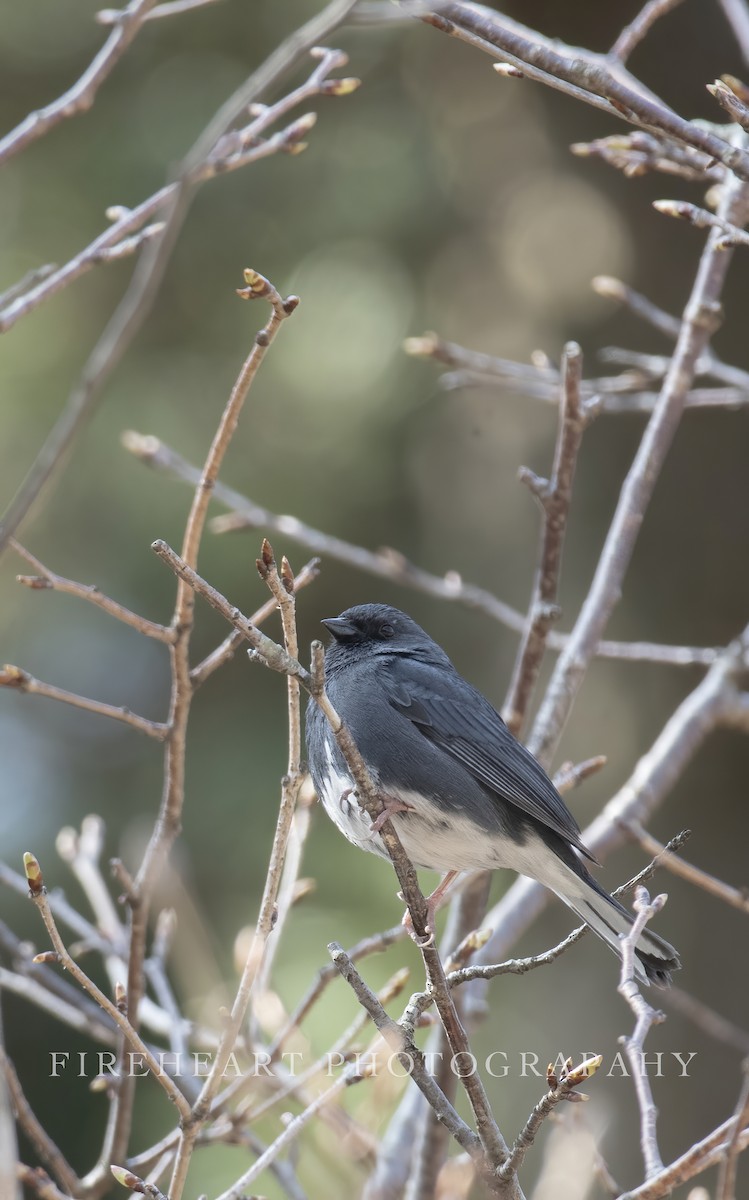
[434, 902]
[408, 925]
[390, 806]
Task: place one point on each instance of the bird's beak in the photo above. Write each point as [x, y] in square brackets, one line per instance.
[342, 630]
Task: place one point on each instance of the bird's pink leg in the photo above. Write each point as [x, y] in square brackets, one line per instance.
[390, 806]
[434, 902]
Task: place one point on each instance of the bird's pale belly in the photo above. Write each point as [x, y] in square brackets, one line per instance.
[432, 839]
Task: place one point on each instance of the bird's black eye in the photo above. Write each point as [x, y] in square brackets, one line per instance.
[386, 630]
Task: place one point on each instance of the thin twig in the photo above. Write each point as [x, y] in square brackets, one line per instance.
[701, 218]
[645, 1018]
[351, 1075]
[560, 1089]
[726, 1185]
[39, 1182]
[554, 495]
[633, 34]
[737, 15]
[81, 95]
[391, 564]
[168, 823]
[708, 706]
[89, 592]
[701, 317]
[38, 894]
[226, 649]
[269, 652]
[282, 588]
[593, 78]
[141, 292]
[460, 941]
[374, 944]
[408, 1054]
[704, 1154]
[736, 897]
[10, 1113]
[47, 1150]
[21, 681]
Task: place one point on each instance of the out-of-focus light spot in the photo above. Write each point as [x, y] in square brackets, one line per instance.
[356, 308]
[552, 235]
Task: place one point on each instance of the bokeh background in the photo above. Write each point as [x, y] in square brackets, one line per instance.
[437, 196]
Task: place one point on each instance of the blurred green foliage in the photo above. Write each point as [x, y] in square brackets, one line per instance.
[438, 196]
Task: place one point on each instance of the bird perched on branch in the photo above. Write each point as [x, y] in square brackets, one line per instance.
[461, 791]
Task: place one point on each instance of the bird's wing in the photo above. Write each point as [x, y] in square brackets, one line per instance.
[460, 721]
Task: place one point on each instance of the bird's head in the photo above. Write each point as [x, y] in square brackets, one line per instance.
[378, 629]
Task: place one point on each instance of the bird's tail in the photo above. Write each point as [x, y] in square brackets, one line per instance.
[655, 959]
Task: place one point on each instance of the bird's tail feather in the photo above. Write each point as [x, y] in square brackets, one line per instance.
[655, 958]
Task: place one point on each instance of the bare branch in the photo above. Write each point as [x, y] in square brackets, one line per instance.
[713, 1024]
[38, 894]
[227, 649]
[351, 1075]
[37, 1179]
[81, 95]
[638, 153]
[10, 1112]
[269, 652]
[737, 16]
[555, 495]
[136, 303]
[726, 1186]
[570, 775]
[520, 966]
[702, 219]
[593, 78]
[21, 681]
[645, 1018]
[87, 591]
[736, 897]
[700, 320]
[633, 34]
[728, 92]
[698, 1158]
[560, 1089]
[49, 1152]
[704, 709]
[375, 944]
[390, 564]
[603, 394]
[409, 1054]
[282, 587]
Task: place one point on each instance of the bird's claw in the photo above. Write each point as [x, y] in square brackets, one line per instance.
[408, 925]
[390, 806]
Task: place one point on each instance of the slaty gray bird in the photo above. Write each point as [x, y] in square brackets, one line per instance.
[462, 792]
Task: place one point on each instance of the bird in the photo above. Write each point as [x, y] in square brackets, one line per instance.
[462, 792]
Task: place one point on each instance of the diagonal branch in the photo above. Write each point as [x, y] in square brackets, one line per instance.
[21, 681]
[151, 267]
[710, 705]
[391, 564]
[596, 79]
[87, 591]
[278, 659]
[82, 94]
[38, 894]
[701, 317]
[632, 34]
